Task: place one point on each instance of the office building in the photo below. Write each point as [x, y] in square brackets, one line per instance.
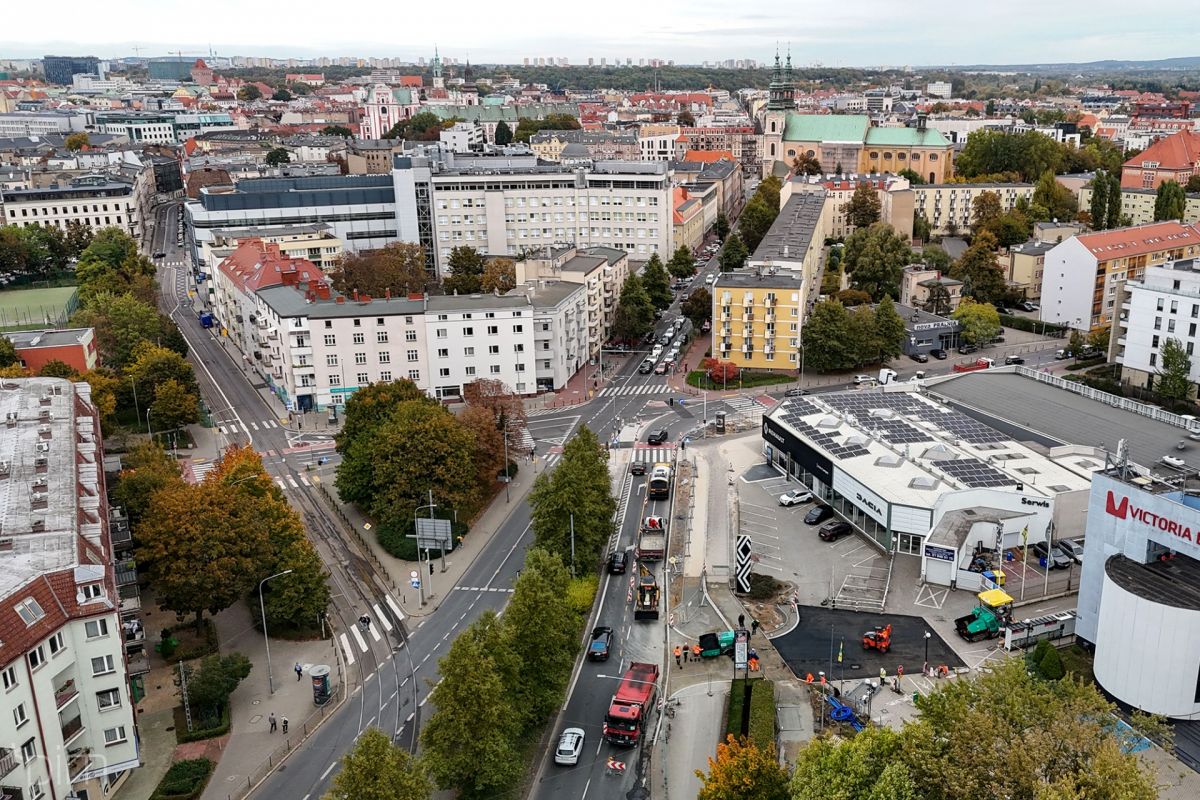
[40, 123]
[59, 69]
[141, 128]
[95, 201]
[171, 68]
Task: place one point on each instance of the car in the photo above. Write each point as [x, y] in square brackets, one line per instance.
[665, 339]
[997, 340]
[795, 391]
[646, 367]
[817, 514]
[601, 643]
[1054, 558]
[859, 380]
[796, 497]
[1013, 360]
[617, 563]
[1174, 461]
[659, 436]
[710, 279]
[160, 254]
[661, 368]
[1073, 548]
[1001, 309]
[707, 326]
[1028, 306]
[637, 468]
[967, 349]
[939, 354]
[570, 745]
[832, 531]
[683, 298]
[920, 358]
[1061, 354]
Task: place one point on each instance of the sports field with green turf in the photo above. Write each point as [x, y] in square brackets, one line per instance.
[30, 309]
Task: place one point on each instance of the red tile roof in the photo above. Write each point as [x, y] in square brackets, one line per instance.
[55, 593]
[1177, 151]
[1139, 239]
[256, 264]
[708, 156]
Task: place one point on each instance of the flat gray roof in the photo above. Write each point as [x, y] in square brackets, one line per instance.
[1068, 417]
[469, 302]
[288, 301]
[548, 295]
[784, 279]
[792, 231]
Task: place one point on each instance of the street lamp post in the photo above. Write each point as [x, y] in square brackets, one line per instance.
[263, 609]
[507, 476]
[927, 636]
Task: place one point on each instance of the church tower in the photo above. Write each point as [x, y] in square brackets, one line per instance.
[436, 65]
[781, 100]
[782, 94]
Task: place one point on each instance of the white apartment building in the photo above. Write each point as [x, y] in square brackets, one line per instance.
[68, 722]
[1164, 304]
[947, 206]
[659, 142]
[462, 137]
[560, 330]
[32, 123]
[140, 128]
[96, 201]
[941, 89]
[509, 205]
[315, 242]
[480, 336]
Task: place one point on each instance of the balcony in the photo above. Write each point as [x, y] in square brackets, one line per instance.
[65, 694]
[747, 318]
[273, 334]
[126, 572]
[72, 728]
[299, 351]
[770, 318]
[11, 793]
[77, 761]
[8, 761]
[262, 323]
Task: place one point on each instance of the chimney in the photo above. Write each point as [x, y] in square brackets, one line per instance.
[322, 290]
[341, 299]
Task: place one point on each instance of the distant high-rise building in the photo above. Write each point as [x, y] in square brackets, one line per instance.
[591, 61]
[59, 69]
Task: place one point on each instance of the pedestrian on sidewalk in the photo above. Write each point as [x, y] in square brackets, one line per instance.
[300, 670]
[678, 656]
[685, 653]
[753, 627]
[271, 719]
[285, 724]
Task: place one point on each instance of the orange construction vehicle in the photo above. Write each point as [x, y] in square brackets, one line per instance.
[879, 639]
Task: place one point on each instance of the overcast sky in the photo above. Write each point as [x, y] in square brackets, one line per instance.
[858, 33]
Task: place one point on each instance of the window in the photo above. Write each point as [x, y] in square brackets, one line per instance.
[494, 369]
[28, 750]
[1161, 303]
[19, 717]
[410, 336]
[114, 735]
[10, 678]
[444, 372]
[1154, 359]
[37, 657]
[443, 352]
[493, 349]
[385, 358]
[360, 338]
[91, 591]
[1154, 341]
[330, 340]
[36, 792]
[468, 331]
[331, 360]
[363, 378]
[518, 328]
[381, 337]
[95, 628]
[360, 358]
[470, 370]
[109, 698]
[414, 375]
[57, 643]
[493, 330]
[335, 380]
[379, 321]
[519, 348]
[1174, 306]
[441, 333]
[469, 352]
[29, 611]
[102, 665]
[358, 323]
[385, 377]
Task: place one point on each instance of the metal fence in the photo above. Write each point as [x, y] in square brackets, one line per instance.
[1123, 403]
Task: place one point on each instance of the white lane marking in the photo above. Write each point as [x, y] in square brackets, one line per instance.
[379, 615]
[247, 430]
[395, 608]
[328, 770]
[362, 643]
[254, 426]
[346, 649]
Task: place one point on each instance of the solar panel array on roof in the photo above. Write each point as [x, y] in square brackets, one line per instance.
[975, 473]
[861, 404]
[898, 432]
[829, 443]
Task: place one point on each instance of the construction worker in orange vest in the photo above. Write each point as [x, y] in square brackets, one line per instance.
[696, 652]
[678, 656]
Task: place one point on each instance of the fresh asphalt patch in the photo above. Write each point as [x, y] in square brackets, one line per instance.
[760, 472]
[816, 640]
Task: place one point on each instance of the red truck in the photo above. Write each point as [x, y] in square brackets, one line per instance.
[973, 366]
[631, 705]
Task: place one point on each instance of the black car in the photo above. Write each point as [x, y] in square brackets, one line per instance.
[1054, 558]
[601, 643]
[637, 468]
[795, 392]
[817, 514]
[617, 562]
[1014, 360]
[1001, 309]
[939, 354]
[920, 358]
[832, 531]
[967, 349]
[659, 436]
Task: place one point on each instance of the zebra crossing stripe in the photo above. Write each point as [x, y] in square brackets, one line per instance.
[254, 426]
[394, 607]
[362, 643]
[279, 480]
[374, 631]
[304, 480]
[346, 649]
[221, 428]
[295, 485]
[379, 615]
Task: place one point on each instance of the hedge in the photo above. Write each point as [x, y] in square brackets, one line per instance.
[1033, 326]
[762, 711]
[182, 736]
[393, 537]
[185, 780]
[745, 380]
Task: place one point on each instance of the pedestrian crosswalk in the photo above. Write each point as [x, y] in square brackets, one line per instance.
[481, 589]
[744, 405]
[354, 642]
[291, 481]
[228, 428]
[654, 455]
[649, 388]
[200, 468]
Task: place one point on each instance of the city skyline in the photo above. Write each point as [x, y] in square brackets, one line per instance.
[871, 33]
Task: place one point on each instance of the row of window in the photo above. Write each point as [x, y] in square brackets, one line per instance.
[362, 378]
[469, 330]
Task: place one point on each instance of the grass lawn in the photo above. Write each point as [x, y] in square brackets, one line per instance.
[747, 380]
[28, 309]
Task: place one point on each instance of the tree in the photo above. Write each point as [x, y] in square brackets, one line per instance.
[376, 769]
[889, 330]
[1098, 208]
[489, 443]
[504, 134]
[472, 741]
[634, 317]
[1193, 184]
[79, 237]
[153, 366]
[684, 119]
[977, 269]
[8, 352]
[466, 266]
[1114, 202]
[105, 386]
[863, 345]
[681, 265]
[741, 770]
[499, 275]
[121, 322]
[1054, 197]
[922, 231]
[57, 369]
[111, 264]
[934, 257]
[721, 226]
[864, 207]
[938, 300]
[146, 469]
[1051, 666]
[985, 208]
[698, 307]
[1169, 201]
[173, 407]
[1099, 338]
[249, 93]
[657, 283]
[337, 130]
[912, 176]
[980, 321]
[282, 95]
[1011, 228]
[210, 686]
[733, 254]
[875, 258]
[77, 141]
[398, 267]
[756, 220]
[1174, 375]
[853, 297]
[825, 337]
[1028, 154]
[806, 164]
[579, 486]
[277, 156]
[850, 769]
[1075, 344]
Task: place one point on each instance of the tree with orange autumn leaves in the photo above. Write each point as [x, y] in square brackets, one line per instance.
[741, 771]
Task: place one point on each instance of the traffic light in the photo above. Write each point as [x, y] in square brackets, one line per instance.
[430, 567]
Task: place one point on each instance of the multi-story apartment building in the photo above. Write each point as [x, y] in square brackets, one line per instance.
[1079, 284]
[509, 204]
[470, 337]
[600, 145]
[917, 281]
[895, 200]
[688, 219]
[796, 239]
[1026, 265]
[757, 319]
[560, 330]
[75, 347]
[69, 726]
[96, 201]
[660, 142]
[947, 206]
[1172, 158]
[372, 156]
[740, 140]
[1164, 304]
[1138, 205]
[314, 242]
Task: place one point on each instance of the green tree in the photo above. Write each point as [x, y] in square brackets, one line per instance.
[1098, 207]
[1054, 197]
[173, 407]
[283, 95]
[249, 93]
[210, 686]
[698, 307]
[922, 231]
[466, 265]
[977, 269]
[850, 769]
[504, 134]
[1011, 228]
[1114, 202]
[863, 208]
[8, 353]
[934, 257]
[1174, 375]
[634, 317]
[153, 366]
[889, 330]
[805, 164]
[499, 275]
[121, 323]
[733, 254]
[146, 469]
[398, 267]
[657, 283]
[988, 152]
[980, 321]
[376, 769]
[681, 265]
[875, 257]
[984, 209]
[938, 300]
[1099, 338]
[826, 338]
[278, 155]
[756, 220]
[685, 119]
[111, 264]
[1169, 201]
[579, 486]
[743, 770]
[912, 176]
[472, 741]
[77, 141]
[1051, 667]
[79, 237]
[721, 226]
[57, 369]
[337, 130]
[1193, 184]
[853, 297]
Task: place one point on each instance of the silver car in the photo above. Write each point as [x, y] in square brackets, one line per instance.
[570, 745]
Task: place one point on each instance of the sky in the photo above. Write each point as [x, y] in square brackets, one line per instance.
[860, 33]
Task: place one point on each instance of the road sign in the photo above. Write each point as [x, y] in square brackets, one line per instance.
[616, 766]
[433, 534]
[741, 648]
[415, 583]
[744, 552]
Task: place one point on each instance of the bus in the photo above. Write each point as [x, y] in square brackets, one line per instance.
[660, 482]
